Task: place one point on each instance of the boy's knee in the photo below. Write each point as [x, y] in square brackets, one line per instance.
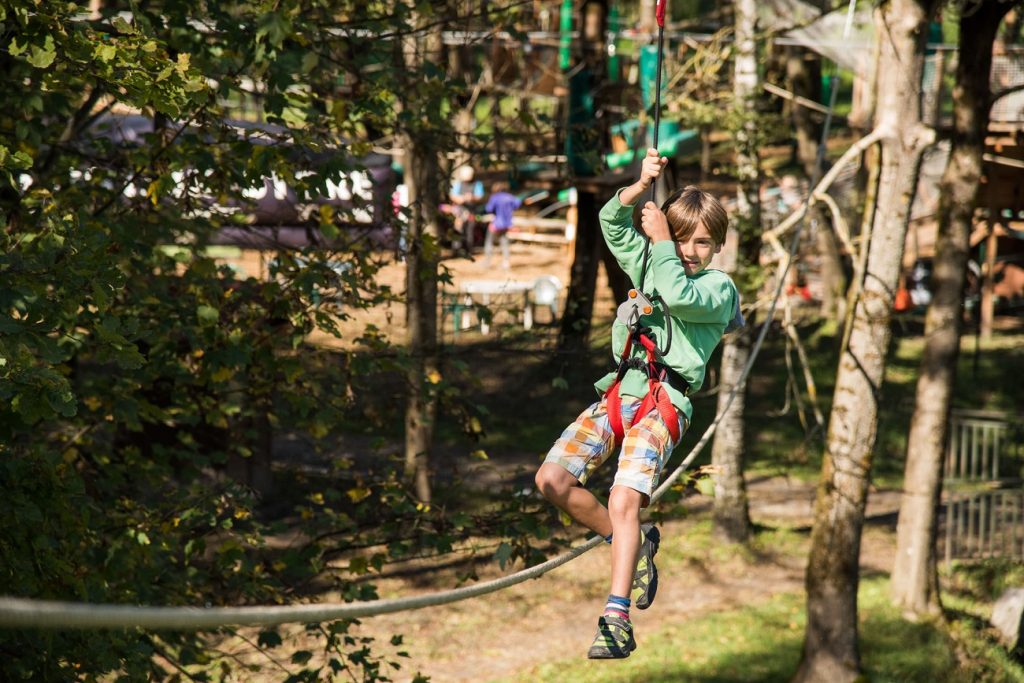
[553, 481]
[625, 503]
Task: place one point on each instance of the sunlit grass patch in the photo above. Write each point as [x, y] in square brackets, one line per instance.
[758, 643]
[763, 643]
[895, 650]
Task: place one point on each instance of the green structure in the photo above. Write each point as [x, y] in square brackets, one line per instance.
[565, 35]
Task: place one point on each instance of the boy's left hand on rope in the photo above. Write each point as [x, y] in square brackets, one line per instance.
[651, 167]
[654, 223]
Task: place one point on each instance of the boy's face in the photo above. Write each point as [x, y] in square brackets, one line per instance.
[696, 252]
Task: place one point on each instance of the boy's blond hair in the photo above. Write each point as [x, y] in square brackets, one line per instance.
[687, 208]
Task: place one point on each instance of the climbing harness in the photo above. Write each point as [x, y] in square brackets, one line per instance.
[637, 305]
[656, 398]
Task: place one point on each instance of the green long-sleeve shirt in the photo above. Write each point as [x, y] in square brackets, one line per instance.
[699, 307]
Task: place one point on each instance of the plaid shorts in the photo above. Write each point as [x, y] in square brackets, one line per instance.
[587, 443]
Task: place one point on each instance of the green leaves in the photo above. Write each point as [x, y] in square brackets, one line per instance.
[207, 314]
[137, 366]
[105, 53]
[42, 56]
[706, 486]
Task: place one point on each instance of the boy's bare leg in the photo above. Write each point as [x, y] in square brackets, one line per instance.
[621, 518]
[562, 489]
[624, 512]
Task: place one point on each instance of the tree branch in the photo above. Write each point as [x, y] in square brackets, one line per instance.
[849, 155]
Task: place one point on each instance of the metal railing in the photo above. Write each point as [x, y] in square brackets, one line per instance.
[983, 508]
[983, 525]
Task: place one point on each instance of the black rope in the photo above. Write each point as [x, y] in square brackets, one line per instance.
[657, 129]
[654, 186]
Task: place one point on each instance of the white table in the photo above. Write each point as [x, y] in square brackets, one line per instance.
[483, 290]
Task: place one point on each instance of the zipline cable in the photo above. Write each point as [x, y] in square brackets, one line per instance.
[52, 614]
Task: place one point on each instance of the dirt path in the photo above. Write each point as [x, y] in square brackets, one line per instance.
[480, 639]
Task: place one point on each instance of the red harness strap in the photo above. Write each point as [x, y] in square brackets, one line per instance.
[656, 396]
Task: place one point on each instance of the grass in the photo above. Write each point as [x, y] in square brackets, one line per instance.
[763, 643]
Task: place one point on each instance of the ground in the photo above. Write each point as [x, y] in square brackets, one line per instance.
[505, 634]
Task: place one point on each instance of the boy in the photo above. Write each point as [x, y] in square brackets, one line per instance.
[697, 304]
[501, 203]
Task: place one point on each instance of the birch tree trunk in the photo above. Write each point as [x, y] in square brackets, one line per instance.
[731, 512]
[424, 182]
[830, 651]
[915, 584]
[833, 278]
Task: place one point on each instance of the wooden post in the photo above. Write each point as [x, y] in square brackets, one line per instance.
[950, 520]
[988, 302]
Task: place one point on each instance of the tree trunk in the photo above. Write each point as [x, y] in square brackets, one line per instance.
[421, 171]
[584, 144]
[833, 276]
[424, 181]
[575, 328]
[731, 514]
[705, 152]
[731, 510]
[865, 85]
[915, 586]
[831, 640]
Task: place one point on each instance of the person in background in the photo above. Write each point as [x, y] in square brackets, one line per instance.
[465, 192]
[501, 203]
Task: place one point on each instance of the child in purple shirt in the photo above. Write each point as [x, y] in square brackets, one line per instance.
[501, 203]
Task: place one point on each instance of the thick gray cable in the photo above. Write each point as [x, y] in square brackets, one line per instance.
[53, 614]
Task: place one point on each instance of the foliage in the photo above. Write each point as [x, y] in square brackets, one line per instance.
[136, 369]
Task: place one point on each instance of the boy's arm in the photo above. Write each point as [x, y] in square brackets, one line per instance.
[650, 169]
[707, 299]
[616, 218]
[625, 243]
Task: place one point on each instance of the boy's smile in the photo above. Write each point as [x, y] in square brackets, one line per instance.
[696, 252]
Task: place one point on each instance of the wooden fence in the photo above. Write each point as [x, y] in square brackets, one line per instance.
[979, 441]
[984, 524]
[982, 513]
